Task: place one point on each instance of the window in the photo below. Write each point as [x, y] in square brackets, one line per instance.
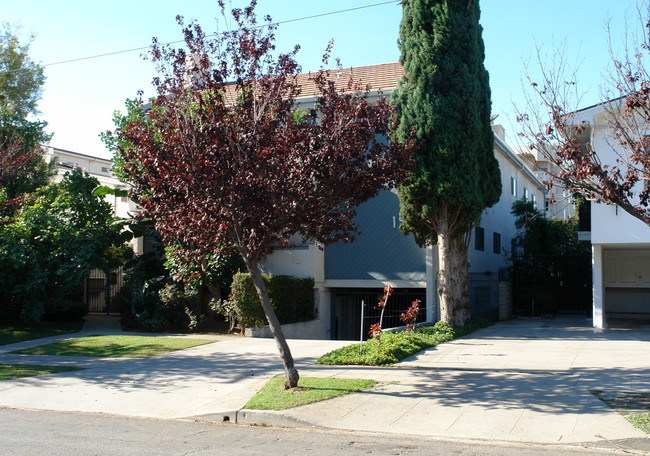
[496, 243]
[525, 194]
[513, 186]
[534, 201]
[479, 238]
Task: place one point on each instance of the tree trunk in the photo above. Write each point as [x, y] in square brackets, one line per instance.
[445, 272]
[215, 291]
[453, 274]
[462, 311]
[291, 373]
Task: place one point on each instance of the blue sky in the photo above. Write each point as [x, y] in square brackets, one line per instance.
[80, 97]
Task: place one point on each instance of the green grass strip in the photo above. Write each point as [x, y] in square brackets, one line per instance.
[11, 334]
[273, 396]
[640, 420]
[9, 371]
[634, 406]
[115, 346]
[394, 347]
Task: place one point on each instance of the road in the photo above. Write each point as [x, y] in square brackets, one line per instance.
[34, 433]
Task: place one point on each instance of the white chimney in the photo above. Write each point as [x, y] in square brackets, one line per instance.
[499, 131]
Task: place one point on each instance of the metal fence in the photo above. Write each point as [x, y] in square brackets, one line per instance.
[484, 295]
[347, 310]
[552, 285]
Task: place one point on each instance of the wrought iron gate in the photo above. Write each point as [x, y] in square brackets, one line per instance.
[552, 285]
[101, 285]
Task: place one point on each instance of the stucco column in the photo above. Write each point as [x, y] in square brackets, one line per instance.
[431, 273]
[323, 299]
[598, 288]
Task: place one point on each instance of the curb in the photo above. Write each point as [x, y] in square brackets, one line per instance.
[254, 418]
[269, 418]
[276, 418]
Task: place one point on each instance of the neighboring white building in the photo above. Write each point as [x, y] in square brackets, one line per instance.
[99, 168]
[559, 202]
[346, 274]
[620, 242]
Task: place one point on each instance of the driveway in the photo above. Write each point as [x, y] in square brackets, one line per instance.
[521, 380]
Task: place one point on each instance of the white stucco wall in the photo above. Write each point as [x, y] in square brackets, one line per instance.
[612, 225]
[609, 224]
[297, 261]
[498, 219]
[617, 239]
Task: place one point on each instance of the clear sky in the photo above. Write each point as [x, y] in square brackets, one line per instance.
[80, 97]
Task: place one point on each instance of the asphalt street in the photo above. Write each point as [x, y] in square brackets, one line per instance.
[41, 433]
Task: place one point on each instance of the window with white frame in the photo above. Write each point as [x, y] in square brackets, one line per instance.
[513, 186]
[525, 193]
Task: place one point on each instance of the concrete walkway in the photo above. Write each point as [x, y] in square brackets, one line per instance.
[518, 381]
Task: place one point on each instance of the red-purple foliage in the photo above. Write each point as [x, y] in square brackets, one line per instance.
[15, 164]
[224, 161]
[411, 315]
[228, 166]
[375, 331]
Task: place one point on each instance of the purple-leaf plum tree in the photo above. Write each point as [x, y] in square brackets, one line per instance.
[222, 162]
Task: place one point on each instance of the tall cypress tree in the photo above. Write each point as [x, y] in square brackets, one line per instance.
[444, 97]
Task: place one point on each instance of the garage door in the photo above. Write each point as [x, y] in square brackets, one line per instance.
[627, 282]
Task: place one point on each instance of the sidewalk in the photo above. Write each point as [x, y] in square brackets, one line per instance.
[518, 381]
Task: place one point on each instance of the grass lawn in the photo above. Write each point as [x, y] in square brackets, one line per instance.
[640, 420]
[634, 406]
[394, 347]
[10, 334]
[9, 371]
[273, 396]
[115, 346]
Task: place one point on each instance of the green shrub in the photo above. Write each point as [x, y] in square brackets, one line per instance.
[248, 309]
[292, 299]
[172, 311]
[394, 347]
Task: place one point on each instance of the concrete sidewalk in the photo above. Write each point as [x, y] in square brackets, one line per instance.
[518, 381]
[522, 381]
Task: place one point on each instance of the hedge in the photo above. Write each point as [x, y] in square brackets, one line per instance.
[292, 299]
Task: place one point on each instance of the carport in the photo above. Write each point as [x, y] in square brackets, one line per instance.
[621, 285]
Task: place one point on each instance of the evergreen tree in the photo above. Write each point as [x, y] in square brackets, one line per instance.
[21, 134]
[444, 98]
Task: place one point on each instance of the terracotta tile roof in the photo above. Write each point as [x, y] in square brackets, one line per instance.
[382, 77]
[379, 77]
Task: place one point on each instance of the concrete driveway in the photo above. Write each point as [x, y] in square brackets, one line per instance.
[522, 380]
